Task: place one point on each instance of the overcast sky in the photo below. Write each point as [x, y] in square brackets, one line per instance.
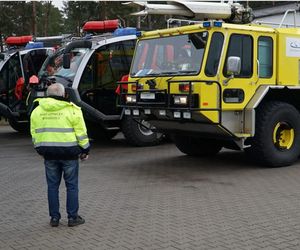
[58, 3]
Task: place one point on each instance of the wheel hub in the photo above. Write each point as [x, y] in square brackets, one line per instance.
[144, 128]
[283, 136]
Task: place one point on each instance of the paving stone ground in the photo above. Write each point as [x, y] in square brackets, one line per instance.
[150, 198]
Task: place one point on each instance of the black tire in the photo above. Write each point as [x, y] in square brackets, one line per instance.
[194, 146]
[96, 132]
[277, 135]
[139, 135]
[21, 127]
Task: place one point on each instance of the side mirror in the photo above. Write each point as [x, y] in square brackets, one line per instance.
[34, 80]
[66, 61]
[233, 65]
[233, 68]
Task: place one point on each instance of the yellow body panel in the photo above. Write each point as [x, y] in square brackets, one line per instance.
[288, 57]
[285, 67]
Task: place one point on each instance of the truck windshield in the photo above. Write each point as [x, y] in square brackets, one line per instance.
[174, 55]
[53, 66]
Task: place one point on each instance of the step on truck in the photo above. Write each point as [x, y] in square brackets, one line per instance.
[215, 84]
[89, 67]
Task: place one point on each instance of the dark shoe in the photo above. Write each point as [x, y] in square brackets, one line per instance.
[72, 222]
[54, 222]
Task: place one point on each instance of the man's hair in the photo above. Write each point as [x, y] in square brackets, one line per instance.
[56, 89]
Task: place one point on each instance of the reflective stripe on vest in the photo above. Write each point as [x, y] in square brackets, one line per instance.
[85, 145]
[80, 138]
[59, 130]
[56, 144]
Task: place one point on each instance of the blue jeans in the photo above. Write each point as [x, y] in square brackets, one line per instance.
[54, 171]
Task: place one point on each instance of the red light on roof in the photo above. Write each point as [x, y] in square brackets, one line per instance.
[101, 26]
[18, 40]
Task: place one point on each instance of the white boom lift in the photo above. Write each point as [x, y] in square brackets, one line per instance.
[229, 11]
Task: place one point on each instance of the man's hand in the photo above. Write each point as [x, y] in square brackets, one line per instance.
[83, 156]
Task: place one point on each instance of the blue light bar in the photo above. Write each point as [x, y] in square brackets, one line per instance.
[88, 36]
[139, 33]
[125, 31]
[206, 24]
[34, 45]
[218, 24]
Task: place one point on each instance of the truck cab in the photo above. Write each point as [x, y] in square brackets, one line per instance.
[214, 84]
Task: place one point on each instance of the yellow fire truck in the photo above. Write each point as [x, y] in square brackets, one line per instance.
[214, 84]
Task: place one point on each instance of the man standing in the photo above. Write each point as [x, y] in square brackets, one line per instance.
[59, 135]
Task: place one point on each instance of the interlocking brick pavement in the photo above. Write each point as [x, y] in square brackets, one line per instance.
[150, 198]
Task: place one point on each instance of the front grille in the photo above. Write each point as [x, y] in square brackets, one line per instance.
[160, 99]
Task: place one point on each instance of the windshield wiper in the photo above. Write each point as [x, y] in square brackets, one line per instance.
[169, 72]
[187, 71]
[163, 73]
[153, 74]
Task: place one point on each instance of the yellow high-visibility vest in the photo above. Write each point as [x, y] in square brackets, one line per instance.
[57, 123]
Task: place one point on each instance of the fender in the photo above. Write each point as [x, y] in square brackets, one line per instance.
[249, 111]
[6, 112]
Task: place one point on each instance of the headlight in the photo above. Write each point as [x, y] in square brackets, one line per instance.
[177, 114]
[147, 111]
[185, 87]
[130, 98]
[136, 112]
[162, 112]
[180, 100]
[187, 115]
[127, 112]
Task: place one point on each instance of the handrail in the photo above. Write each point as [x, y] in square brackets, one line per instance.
[282, 20]
[274, 23]
[285, 14]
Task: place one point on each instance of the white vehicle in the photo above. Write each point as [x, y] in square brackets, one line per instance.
[90, 68]
[16, 66]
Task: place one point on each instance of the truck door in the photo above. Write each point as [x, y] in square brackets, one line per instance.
[105, 68]
[33, 61]
[236, 91]
[9, 75]
[257, 54]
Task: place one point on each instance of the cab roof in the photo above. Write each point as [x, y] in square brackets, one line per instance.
[201, 26]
